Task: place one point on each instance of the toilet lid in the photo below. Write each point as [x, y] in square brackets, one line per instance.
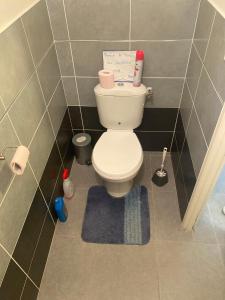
[117, 155]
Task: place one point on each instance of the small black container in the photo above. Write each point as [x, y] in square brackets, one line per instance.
[82, 148]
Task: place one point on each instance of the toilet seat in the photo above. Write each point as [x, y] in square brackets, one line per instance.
[117, 155]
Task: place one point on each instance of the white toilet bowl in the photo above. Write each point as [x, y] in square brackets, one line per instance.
[117, 158]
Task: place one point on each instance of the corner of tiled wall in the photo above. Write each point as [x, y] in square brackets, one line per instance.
[202, 100]
[81, 32]
[33, 112]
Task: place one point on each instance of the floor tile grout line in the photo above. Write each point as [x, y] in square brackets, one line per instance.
[11, 257]
[73, 63]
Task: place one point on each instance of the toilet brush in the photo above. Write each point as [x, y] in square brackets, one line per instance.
[160, 176]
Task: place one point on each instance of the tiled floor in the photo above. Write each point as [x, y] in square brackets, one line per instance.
[174, 265]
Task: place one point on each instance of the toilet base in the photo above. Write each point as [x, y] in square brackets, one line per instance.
[118, 189]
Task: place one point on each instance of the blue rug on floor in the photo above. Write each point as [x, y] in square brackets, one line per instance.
[108, 220]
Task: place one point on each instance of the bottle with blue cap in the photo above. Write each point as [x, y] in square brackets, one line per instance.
[60, 209]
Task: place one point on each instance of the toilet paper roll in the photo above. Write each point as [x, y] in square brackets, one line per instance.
[106, 79]
[19, 160]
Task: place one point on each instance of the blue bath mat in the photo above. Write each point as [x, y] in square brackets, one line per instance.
[108, 220]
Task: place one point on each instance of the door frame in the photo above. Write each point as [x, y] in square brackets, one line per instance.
[209, 173]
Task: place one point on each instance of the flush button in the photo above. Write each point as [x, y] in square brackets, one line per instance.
[120, 84]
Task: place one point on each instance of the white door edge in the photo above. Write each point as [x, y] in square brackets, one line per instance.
[208, 176]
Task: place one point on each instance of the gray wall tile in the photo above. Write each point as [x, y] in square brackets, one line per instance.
[8, 139]
[158, 20]
[214, 61]
[64, 58]
[208, 106]
[166, 92]
[97, 19]
[49, 74]
[196, 143]
[15, 62]
[4, 258]
[193, 73]
[203, 26]
[186, 106]
[37, 27]
[164, 59]
[15, 207]
[58, 20]
[88, 55]
[41, 146]
[70, 90]
[86, 90]
[2, 109]
[57, 108]
[27, 110]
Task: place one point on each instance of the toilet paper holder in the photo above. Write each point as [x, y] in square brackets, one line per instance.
[2, 156]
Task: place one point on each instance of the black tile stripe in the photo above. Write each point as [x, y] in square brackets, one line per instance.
[154, 133]
[154, 119]
[64, 135]
[158, 119]
[91, 118]
[13, 283]
[183, 168]
[50, 173]
[41, 253]
[188, 170]
[30, 291]
[28, 239]
[75, 116]
[154, 141]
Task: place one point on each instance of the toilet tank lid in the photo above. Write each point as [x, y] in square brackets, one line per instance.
[121, 89]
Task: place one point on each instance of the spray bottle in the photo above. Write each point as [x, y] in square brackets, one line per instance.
[138, 67]
[67, 184]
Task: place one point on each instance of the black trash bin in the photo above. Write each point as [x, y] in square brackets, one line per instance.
[82, 148]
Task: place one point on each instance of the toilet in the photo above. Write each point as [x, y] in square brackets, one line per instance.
[117, 156]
